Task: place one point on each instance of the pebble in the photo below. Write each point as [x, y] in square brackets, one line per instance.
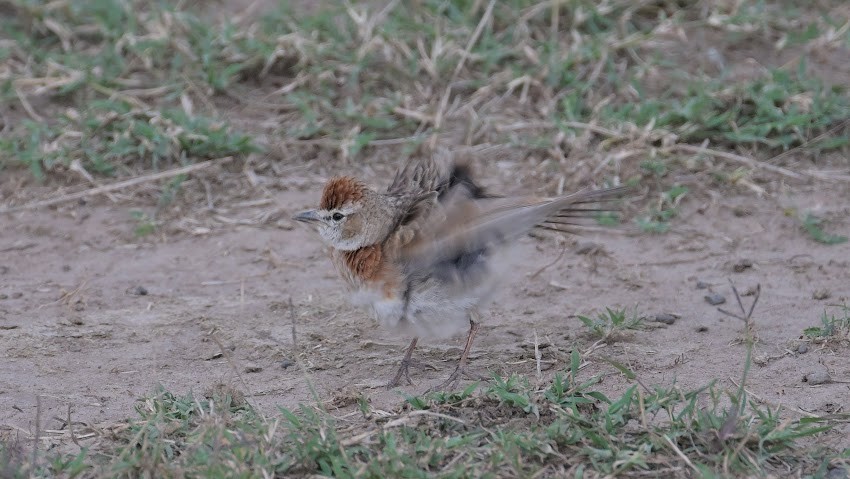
[803, 348]
[741, 211]
[715, 298]
[702, 329]
[820, 376]
[666, 318]
[742, 265]
[587, 247]
[253, 368]
[837, 473]
[139, 291]
[4, 296]
[820, 294]
[702, 285]
[286, 363]
[17, 295]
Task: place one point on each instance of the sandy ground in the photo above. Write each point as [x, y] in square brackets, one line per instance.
[74, 328]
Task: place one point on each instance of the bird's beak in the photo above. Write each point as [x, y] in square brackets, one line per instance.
[309, 216]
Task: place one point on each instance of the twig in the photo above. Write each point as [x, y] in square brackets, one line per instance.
[300, 362]
[553, 263]
[37, 430]
[438, 118]
[681, 454]
[27, 107]
[745, 315]
[537, 356]
[809, 142]
[18, 247]
[292, 317]
[117, 186]
[699, 150]
[232, 364]
[71, 428]
[398, 422]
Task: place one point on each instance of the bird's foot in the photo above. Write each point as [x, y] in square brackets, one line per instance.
[404, 371]
[460, 372]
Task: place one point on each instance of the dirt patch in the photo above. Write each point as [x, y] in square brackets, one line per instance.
[93, 316]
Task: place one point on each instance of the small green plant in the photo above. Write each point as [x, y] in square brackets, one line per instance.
[657, 221]
[814, 227]
[514, 391]
[608, 218]
[654, 167]
[612, 322]
[832, 326]
[145, 225]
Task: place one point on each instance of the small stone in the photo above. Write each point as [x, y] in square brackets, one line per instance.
[666, 318]
[253, 368]
[4, 296]
[742, 265]
[803, 348]
[821, 294]
[66, 268]
[76, 321]
[287, 363]
[587, 247]
[17, 295]
[715, 298]
[820, 376]
[702, 329]
[741, 211]
[702, 285]
[837, 473]
[139, 291]
[79, 306]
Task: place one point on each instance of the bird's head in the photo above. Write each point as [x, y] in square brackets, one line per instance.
[350, 215]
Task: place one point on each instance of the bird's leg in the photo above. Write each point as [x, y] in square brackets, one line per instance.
[406, 362]
[464, 356]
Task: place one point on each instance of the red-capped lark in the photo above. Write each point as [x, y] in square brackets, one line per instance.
[423, 253]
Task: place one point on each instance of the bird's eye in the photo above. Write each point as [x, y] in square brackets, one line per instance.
[338, 216]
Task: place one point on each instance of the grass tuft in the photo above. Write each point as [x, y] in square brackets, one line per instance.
[814, 227]
[509, 427]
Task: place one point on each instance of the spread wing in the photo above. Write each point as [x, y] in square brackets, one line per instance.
[450, 228]
[466, 226]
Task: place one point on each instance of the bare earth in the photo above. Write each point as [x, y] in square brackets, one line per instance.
[75, 330]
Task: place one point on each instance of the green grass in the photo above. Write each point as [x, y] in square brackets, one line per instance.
[612, 322]
[354, 78]
[777, 112]
[112, 135]
[833, 328]
[509, 428]
[814, 227]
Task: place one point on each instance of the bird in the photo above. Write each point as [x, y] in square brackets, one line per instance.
[425, 253]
